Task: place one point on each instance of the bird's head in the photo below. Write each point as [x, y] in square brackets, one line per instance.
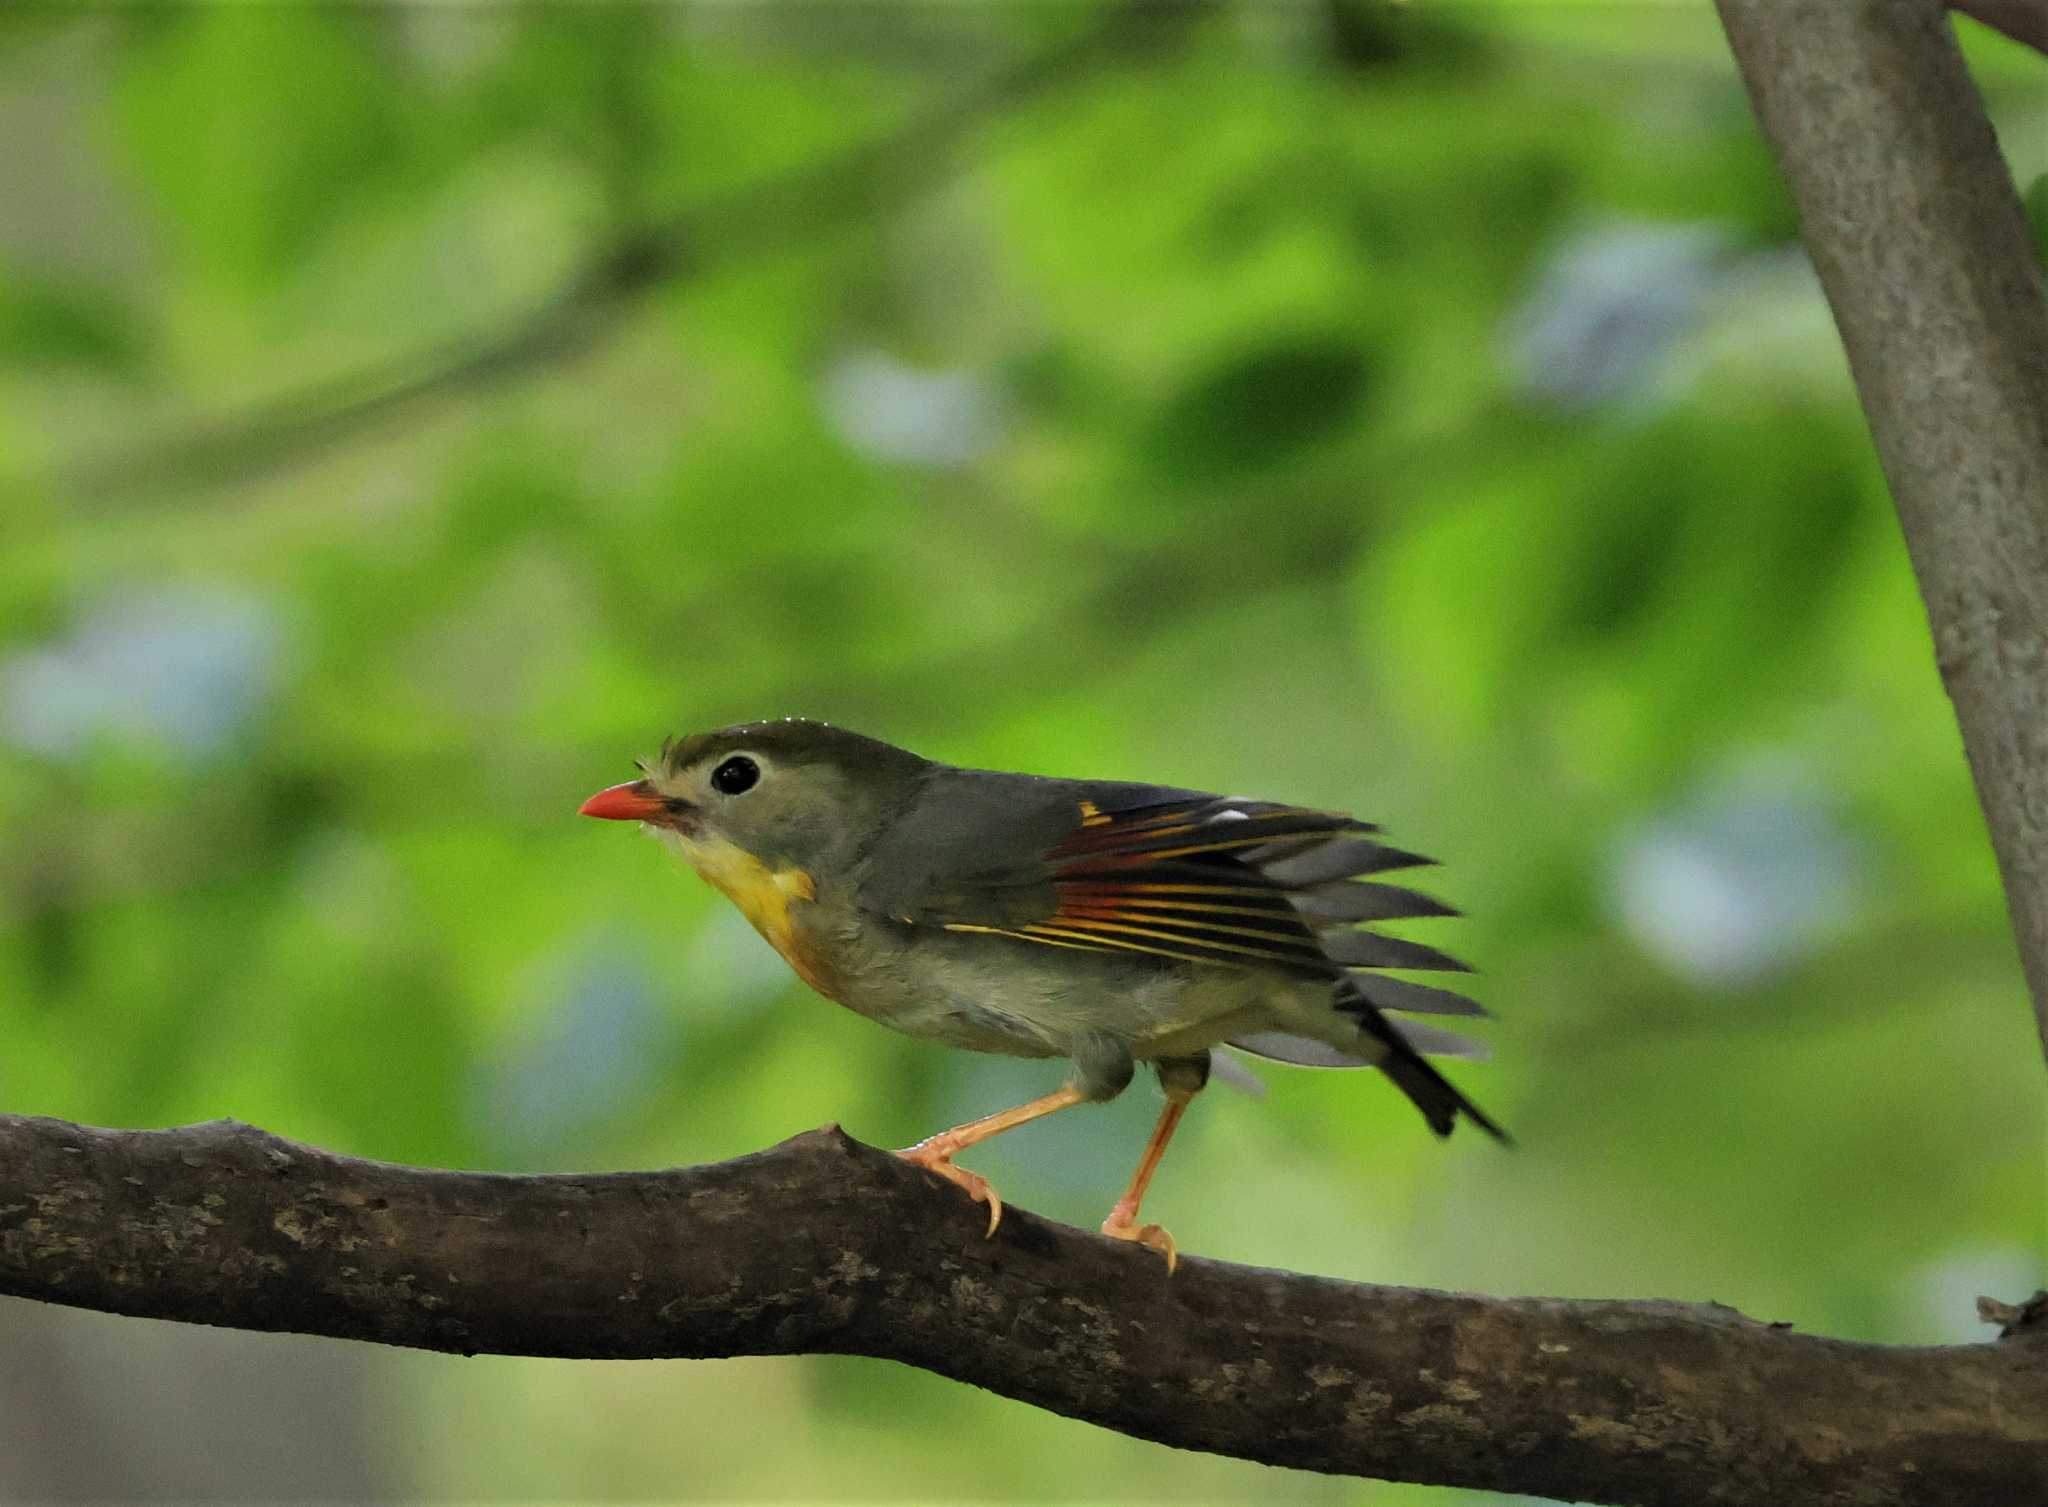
[789, 795]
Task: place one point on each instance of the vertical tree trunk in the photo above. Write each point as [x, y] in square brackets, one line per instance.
[1921, 244]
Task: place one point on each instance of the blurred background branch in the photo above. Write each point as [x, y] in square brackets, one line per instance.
[779, 215]
[824, 1244]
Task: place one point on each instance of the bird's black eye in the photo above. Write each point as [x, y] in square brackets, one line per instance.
[738, 773]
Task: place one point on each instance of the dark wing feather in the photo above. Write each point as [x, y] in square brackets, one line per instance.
[1195, 878]
[1345, 858]
[1368, 949]
[1173, 880]
[1383, 993]
[1344, 900]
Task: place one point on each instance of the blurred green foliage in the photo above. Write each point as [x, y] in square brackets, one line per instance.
[409, 414]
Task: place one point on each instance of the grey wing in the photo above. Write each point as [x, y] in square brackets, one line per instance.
[1155, 870]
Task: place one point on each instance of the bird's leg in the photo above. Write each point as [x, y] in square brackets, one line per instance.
[1123, 1219]
[936, 1152]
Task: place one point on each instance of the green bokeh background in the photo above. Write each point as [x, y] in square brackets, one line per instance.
[1421, 411]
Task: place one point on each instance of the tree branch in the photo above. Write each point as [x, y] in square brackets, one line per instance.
[1918, 235]
[824, 1245]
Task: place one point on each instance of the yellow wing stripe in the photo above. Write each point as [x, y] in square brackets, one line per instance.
[1111, 886]
[1004, 931]
[1045, 936]
[1277, 927]
[1085, 842]
[1106, 923]
[1091, 943]
[1107, 905]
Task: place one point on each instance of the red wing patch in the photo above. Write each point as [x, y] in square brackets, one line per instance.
[1173, 882]
[1237, 883]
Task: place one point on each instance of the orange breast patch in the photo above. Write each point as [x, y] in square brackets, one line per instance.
[768, 898]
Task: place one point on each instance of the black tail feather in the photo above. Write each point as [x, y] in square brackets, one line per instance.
[1430, 1091]
[1436, 1096]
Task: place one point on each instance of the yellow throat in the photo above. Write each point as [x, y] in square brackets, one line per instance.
[764, 896]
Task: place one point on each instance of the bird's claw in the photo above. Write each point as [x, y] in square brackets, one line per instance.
[1120, 1226]
[977, 1186]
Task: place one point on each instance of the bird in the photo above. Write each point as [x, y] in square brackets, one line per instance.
[1108, 923]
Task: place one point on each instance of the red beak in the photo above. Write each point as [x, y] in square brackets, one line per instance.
[634, 801]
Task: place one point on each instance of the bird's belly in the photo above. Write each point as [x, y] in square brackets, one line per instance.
[960, 1007]
[986, 995]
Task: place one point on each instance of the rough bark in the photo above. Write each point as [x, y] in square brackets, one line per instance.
[1921, 244]
[822, 1244]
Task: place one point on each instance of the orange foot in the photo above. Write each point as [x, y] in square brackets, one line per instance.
[1120, 1226]
[976, 1185]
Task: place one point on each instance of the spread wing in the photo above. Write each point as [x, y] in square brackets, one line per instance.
[1197, 878]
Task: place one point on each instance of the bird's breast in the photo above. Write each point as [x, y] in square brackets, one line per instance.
[771, 899]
